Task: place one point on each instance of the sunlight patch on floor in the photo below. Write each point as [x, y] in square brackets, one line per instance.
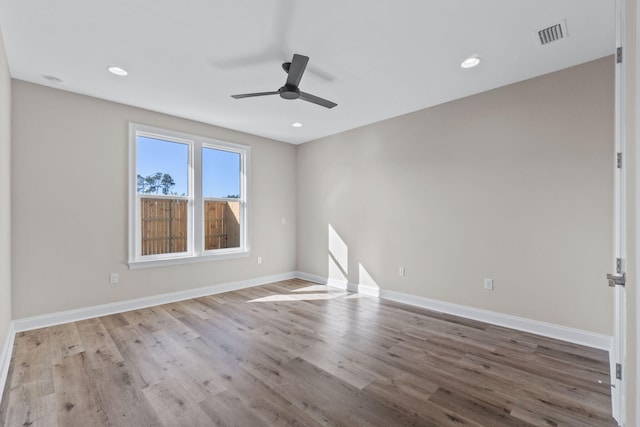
[302, 297]
[318, 288]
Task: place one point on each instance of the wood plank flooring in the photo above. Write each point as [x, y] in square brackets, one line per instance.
[295, 353]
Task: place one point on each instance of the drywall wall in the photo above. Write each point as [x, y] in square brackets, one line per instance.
[514, 184]
[70, 198]
[5, 197]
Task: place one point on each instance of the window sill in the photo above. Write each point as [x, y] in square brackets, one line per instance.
[134, 265]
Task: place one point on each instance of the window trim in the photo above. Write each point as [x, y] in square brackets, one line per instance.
[195, 209]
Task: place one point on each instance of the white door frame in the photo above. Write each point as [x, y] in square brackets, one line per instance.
[637, 210]
[618, 351]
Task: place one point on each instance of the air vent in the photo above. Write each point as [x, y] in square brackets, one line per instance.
[553, 33]
[53, 79]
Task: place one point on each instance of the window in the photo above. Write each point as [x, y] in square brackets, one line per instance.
[188, 198]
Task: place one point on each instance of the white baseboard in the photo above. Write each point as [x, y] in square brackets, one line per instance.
[61, 317]
[576, 336]
[332, 283]
[312, 278]
[338, 284]
[5, 357]
[527, 325]
[368, 290]
[541, 328]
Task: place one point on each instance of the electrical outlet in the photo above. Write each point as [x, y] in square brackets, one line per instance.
[113, 278]
[488, 284]
[401, 271]
[259, 260]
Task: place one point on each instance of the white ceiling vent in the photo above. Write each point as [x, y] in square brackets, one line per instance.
[553, 33]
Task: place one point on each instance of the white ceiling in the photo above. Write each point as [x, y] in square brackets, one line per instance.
[375, 59]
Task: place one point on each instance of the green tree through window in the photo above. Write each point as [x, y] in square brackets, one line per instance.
[155, 184]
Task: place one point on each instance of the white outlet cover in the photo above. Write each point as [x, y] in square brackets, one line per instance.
[488, 284]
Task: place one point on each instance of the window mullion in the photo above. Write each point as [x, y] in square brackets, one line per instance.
[244, 195]
[198, 203]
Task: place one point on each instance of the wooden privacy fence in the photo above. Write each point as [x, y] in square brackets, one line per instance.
[164, 225]
[221, 225]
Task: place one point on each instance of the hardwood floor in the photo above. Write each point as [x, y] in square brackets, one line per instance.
[295, 353]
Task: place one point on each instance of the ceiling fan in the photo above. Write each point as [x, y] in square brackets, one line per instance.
[290, 90]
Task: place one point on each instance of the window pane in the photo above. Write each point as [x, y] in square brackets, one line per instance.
[163, 167]
[164, 226]
[220, 173]
[221, 225]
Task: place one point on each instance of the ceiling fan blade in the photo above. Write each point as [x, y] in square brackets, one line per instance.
[250, 95]
[317, 100]
[298, 65]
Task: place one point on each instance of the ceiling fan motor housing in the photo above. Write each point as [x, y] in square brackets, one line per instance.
[289, 92]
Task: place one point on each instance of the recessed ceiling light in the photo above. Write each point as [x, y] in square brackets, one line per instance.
[297, 125]
[470, 62]
[54, 80]
[117, 71]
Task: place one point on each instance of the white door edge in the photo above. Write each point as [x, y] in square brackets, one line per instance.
[617, 355]
[637, 212]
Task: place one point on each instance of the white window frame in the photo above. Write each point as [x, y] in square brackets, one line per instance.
[195, 209]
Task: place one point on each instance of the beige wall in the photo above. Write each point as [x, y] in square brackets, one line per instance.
[70, 199]
[5, 196]
[514, 184]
